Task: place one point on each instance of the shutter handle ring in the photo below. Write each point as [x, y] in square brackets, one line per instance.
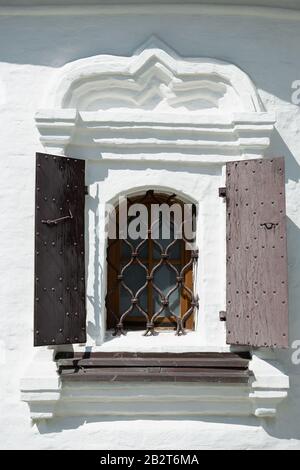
[269, 225]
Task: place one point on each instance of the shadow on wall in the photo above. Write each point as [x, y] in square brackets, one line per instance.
[279, 148]
[294, 279]
[286, 425]
[57, 425]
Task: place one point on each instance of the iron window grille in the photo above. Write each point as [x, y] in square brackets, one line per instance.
[151, 280]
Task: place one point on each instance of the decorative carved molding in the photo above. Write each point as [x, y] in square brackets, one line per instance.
[154, 78]
[154, 102]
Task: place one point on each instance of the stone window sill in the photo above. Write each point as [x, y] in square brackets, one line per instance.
[49, 396]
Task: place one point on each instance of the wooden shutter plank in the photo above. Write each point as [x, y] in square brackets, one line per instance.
[257, 287]
[59, 304]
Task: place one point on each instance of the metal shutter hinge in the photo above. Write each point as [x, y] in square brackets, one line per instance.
[222, 192]
[223, 316]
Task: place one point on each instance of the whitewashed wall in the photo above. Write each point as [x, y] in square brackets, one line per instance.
[31, 50]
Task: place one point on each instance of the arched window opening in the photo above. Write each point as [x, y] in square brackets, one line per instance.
[151, 266]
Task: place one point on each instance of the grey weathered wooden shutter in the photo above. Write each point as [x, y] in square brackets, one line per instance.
[59, 305]
[257, 287]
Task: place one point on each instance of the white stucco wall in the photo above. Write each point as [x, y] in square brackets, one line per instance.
[31, 50]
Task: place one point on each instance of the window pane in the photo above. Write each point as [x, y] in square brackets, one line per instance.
[126, 250]
[134, 278]
[165, 279]
[174, 252]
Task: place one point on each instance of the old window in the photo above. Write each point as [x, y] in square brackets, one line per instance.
[150, 280]
[150, 274]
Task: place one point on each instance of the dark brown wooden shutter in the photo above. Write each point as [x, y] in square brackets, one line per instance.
[59, 312]
[257, 287]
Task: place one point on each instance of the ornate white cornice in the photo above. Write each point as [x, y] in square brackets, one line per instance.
[153, 79]
[154, 105]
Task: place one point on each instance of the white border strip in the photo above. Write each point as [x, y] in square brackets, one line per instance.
[161, 9]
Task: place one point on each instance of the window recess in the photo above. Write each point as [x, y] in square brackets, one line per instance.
[150, 280]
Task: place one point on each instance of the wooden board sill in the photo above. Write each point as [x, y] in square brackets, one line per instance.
[229, 368]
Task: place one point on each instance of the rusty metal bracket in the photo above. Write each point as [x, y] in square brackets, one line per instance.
[222, 192]
[223, 316]
[56, 221]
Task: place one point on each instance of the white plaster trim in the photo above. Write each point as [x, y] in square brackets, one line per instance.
[215, 139]
[282, 14]
[48, 398]
[270, 386]
[40, 386]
